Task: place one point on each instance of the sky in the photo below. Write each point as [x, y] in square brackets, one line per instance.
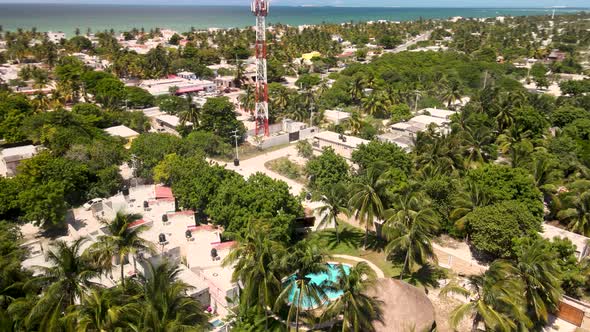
[356, 3]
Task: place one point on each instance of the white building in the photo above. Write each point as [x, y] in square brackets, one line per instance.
[162, 86]
[10, 158]
[124, 132]
[55, 37]
[335, 116]
[342, 144]
[438, 113]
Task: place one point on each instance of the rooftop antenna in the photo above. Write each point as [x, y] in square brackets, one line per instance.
[260, 10]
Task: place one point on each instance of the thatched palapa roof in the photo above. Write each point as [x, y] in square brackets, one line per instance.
[405, 307]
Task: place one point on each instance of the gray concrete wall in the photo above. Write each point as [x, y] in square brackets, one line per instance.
[275, 140]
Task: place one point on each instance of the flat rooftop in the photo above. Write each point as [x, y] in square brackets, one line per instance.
[332, 137]
[18, 153]
[438, 113]
[121, 131]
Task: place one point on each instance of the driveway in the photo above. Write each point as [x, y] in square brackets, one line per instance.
[254, 165]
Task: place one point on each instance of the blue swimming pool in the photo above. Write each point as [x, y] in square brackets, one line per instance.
[321, 279]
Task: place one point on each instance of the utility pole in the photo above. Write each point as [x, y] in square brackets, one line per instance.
[485, 80]
[416, 102]
[237, 159]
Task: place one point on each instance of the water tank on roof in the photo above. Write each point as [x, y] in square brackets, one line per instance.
[162, 238]
[188, 234]
[164, 218]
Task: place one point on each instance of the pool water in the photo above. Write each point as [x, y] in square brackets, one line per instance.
[322, 279]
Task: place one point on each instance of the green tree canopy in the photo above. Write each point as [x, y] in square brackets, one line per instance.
[326, 169]
[493, 228]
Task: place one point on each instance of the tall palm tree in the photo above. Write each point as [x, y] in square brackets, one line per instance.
[355, 310]
[577, 213]
[163, 304]
[479, 143]
[366, 199]
[495, 299]
[375, 104]
[121, 241]
[537, 268]
[190, 114]
[304, 259]
[256, 264]
[68, 278]
[334, 202]
[452, 92]
[246, 99]
[357, 88]
[409, 229]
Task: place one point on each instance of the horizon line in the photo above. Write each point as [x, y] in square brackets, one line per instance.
[290, 6]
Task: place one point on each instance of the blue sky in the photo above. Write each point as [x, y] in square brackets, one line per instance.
[358, 3]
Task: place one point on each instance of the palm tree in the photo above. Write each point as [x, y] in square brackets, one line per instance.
[495, 299]
[366, 197]
[409, 227]
[305, 258]
[479, 143]
[452, 92]
[335, 202]
[163, 304]
[355, 122]
[467, 200]
[121, 242]
[40, 102]
[577, 213]
[354, 308]
[375, 104]
[191, 114]
[68, 278]
[255, 262]
[537, 267]
[101, 310]
[505, 117]
[246, 99]
[357, 88]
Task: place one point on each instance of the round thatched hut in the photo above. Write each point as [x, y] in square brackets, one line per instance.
[405, 307]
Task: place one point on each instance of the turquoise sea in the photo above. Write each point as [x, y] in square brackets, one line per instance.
[62, 17]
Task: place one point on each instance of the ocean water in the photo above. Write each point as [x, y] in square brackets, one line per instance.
[66, 18]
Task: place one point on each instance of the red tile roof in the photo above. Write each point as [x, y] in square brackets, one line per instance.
[163, 192]
[201, 228]
[224, 245]
[137, 223]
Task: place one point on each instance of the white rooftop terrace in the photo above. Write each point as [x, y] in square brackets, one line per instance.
[333, 137]
[121, 131]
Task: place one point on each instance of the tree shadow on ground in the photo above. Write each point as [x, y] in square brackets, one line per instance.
[426, 276]
[349, 238]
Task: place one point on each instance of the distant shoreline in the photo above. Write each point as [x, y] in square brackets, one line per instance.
[124, 17]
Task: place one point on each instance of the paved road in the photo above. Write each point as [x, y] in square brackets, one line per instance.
[404, 46]
[253, 165]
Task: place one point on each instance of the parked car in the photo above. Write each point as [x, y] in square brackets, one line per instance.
[88, 205]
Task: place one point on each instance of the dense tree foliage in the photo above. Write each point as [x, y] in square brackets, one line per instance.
[493, 228]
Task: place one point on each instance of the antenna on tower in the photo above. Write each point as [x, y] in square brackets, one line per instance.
[260, 10]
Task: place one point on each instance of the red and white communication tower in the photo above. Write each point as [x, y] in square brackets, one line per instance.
[260, 9]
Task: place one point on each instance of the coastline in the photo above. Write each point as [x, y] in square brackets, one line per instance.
[123, 17]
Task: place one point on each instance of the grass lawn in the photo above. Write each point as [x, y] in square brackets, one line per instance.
[288, 169]
[351, 243]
